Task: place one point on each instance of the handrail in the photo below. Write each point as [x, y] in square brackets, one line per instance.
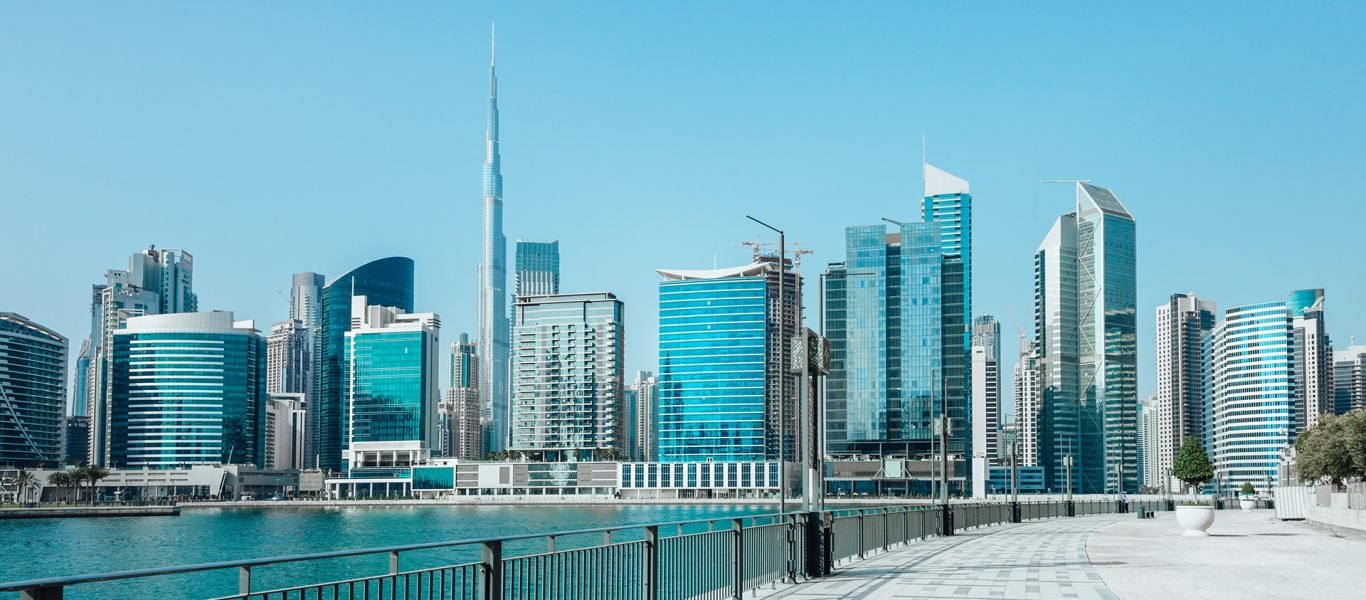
[15, 586]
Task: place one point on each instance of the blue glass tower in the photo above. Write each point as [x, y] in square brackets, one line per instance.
[386, 282]
[537, 269]
[188, 388]
[32, 392]
[713, 352]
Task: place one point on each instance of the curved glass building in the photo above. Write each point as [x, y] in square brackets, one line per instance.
[32, 392]
[188, 388]
[385, 282]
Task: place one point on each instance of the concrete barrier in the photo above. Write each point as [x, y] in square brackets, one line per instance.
[66, 512]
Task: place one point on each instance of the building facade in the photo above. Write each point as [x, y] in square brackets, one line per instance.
[286, 431]
[32, 392]
[1253, 392]
[537, 269]
[1027, 403]
[462, 429]
[1177, 411]
[492, 306]
[713, 353]
[645, 393]
[897, 312]
[156, 282]
[390, 368]
[1314, 381]
[289, 355]
[568, 371]
[986, 389]
[385, 282]
[1349, 379]
[1085, 315]
[187, 388]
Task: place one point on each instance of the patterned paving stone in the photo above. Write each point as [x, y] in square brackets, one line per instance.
[1043, 559]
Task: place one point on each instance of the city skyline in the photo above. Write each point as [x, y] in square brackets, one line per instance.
[1180, 194]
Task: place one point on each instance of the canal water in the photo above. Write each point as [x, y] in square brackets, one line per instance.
[37, 548]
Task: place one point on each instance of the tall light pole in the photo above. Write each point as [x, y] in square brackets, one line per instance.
[782, 371]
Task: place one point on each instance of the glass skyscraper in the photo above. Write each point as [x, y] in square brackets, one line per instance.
[32, 392]
[385, 282]
[1252, 392]
[1085, 313]
[537, 269]
[188, 388]
[896, 315]
[567, 376]
[713, 349]
[492, 307]
[390, 366]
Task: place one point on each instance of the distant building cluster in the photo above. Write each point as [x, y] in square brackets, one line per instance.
[348, 385]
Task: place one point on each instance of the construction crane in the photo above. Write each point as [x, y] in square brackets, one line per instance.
[795, 249]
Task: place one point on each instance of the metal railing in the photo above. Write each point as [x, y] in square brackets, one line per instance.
[710, 558]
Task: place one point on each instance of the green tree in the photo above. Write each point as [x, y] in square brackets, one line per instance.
[1247, 489]
[1192, 464]
[61, 480]
[93, 475]
[24, 483]
[1324, 451]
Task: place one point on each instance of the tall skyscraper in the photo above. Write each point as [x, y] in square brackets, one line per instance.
[1027, 403]
[187, 388]
[720, 361]
[1349, 379]
[537, 269]
[897, 312]
[156, 282]
[1085, 311]
[1313, 358]
[1253, 392]
[567, 383]
[385, 282]
[492, 307]
[288, 358]
[986, 390]
[1177, 411]
[32, 392]
[462, 407]
[390, 365]
[305, 299]
[1149, 447]
[646, 394]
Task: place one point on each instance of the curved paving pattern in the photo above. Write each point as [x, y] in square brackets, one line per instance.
[1044, 559]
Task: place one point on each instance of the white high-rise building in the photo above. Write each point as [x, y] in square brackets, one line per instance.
[1349, 379]
[645, 391]
[1313, 358]
[492, 306]
[1027, 404]
[1183, 324]
[462, 432]
[567, 376]
[286, 432]
[1148, 446]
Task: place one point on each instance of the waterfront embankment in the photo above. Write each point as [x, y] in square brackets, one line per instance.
[551, 500]
[66, 512]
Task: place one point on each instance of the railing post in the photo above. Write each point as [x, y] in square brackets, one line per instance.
[41, 593]
[791, 521]
[886, 529]
[393, 562]
[491, 559]
[651, 576]
[607, 538]
[550, 544]
[860, 534]
[737, 558]
[244, 580]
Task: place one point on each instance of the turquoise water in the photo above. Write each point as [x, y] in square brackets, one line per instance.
[57, 547]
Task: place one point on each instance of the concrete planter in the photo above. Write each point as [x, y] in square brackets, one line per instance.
[1247, 505]
[1195, 519]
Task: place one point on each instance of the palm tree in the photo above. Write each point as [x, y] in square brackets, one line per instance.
[61, 480]
[24, 483]
[94, 474]
[77, 475]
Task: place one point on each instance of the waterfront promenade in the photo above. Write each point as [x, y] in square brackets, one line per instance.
[1248, 555]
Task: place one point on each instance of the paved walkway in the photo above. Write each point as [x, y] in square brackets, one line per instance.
[1247, 555]
[1044, 559]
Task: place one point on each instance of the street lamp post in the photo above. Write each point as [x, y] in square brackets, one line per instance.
[782, 372]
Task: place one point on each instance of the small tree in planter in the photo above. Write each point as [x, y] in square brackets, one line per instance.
[1192, 465]
[1247, 490]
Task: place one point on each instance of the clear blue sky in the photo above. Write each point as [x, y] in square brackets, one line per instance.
[268, 138]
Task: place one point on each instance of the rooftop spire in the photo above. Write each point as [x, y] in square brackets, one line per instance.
[493, 45]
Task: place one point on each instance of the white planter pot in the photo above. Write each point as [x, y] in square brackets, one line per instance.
[1247, 505]
[1195, 519]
